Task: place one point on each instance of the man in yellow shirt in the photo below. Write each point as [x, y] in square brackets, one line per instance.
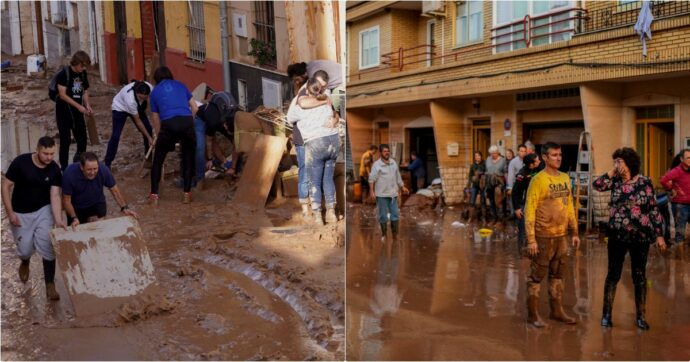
[549, 215]
[365, 169]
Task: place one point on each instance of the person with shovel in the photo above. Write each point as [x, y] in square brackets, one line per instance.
[31, 196]
[82, 191]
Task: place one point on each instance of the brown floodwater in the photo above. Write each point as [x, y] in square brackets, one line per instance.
[441, 292]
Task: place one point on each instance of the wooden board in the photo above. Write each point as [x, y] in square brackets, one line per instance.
[259, 172]
[103, 264]
[92, 130]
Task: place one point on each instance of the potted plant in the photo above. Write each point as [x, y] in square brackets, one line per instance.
[263, 52]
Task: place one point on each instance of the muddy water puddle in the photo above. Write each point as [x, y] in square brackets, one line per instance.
[442, 292]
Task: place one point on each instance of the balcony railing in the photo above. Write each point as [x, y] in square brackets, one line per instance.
[529, 31]
[626, 14]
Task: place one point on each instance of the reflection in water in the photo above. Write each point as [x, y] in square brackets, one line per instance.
[440, 293]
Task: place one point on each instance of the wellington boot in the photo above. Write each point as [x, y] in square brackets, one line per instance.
[187, 198]
[640, 306]
[384, 229]
[51, 293]
[609, 295]
[318, 218]
[24, 271]
[306, 212]
[556, 300]
[330, 216]
[533, 312]
[558, 314]
[394, 227]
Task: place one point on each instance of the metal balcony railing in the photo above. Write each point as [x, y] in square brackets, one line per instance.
[531, 29]
[626, 14]
[408, 56]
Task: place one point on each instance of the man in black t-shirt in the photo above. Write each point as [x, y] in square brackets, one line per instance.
[30, 190]
[71, 104]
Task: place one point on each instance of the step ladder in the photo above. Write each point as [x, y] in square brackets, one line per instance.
[583, 181]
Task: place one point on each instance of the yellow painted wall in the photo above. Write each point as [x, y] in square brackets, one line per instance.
[133, 14]
[109, 16]
[176, 34]
[212, 29]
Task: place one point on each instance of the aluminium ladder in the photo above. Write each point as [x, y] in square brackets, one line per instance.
[583, 180]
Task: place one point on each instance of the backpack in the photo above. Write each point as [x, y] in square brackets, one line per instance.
[226, 105]
[52, 86]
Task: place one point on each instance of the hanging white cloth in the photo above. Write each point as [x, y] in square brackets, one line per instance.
[643, 26]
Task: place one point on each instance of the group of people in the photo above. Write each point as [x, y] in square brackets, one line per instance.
[315, 116]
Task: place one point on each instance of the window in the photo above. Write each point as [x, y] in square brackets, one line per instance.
[369, 48]
[511, 33]
[242, 93]
[197, 41]
[469, 23]
[264, 26]
[60, 16]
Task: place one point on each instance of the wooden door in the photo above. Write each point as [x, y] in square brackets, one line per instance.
[382, 135]
[660, 150]
[481, 140]
[121, 33]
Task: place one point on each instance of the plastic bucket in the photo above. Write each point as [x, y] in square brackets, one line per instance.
[357, 187]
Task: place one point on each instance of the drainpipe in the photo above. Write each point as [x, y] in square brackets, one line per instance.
[224, 45]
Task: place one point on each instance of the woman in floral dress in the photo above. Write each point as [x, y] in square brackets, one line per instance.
[634, 223]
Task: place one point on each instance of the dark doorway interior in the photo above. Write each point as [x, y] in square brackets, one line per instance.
[423, 142]
[567, 134]
[121, 33]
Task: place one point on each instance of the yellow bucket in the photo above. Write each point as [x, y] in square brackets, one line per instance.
[485, 233]
[357, 188]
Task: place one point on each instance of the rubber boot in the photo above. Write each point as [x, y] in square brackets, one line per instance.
[384, 229]
[330, 216]
[556, 299]
[640, 305]
[51, 293]
[318, 218]
[533, 305]
[24, 270]
[609, 295]
[394, 227]
[533, 312]
[306, 212]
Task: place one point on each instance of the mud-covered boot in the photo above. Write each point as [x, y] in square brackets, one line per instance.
[24, 270]
[609, 295]
[330, 216]
[394, 227]
[306, 212]
[318, 218]
[533, 312]
[51, 293]
[556, 300]
[640, 305]
[384, 229]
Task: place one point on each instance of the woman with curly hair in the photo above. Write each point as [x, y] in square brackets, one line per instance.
[634, 223]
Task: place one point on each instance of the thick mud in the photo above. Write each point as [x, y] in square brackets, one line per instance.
[441, 292]
[234, 285]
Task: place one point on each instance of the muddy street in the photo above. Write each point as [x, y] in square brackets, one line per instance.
[235, 285]
[441, 292]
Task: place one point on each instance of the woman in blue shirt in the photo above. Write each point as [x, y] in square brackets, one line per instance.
[172, 111]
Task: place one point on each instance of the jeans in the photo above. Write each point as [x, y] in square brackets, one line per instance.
[303, 179]
[200, 153]
[473, 196]
[386, 205]
[321, 154]
[70, 120]
[681, 213]
[119, 120]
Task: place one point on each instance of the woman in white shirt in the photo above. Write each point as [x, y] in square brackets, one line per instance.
[130, 102]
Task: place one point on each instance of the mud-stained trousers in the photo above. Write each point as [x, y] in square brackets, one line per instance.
[551, 260]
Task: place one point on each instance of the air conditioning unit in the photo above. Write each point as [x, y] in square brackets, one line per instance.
[434, 8]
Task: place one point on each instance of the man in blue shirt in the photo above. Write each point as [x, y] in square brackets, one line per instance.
[82, 191]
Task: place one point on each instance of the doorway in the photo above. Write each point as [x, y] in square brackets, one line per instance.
[566, 134]
[423, 142]
[481, 137]
[382, 133]
[655, 146]
[121, 33]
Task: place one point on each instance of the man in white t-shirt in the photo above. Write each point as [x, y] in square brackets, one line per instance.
[130, 102]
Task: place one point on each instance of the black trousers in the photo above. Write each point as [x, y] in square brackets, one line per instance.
[638, 259]
[70, 120]
[173, 130]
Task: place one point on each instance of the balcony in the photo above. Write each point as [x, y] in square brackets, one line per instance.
[626, 14]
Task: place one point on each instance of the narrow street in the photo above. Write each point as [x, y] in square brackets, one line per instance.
[235, 285]
[441, 292]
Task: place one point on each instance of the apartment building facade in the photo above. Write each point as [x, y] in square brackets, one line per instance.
[447, 78]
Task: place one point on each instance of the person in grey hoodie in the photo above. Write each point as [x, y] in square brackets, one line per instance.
[385, 182]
